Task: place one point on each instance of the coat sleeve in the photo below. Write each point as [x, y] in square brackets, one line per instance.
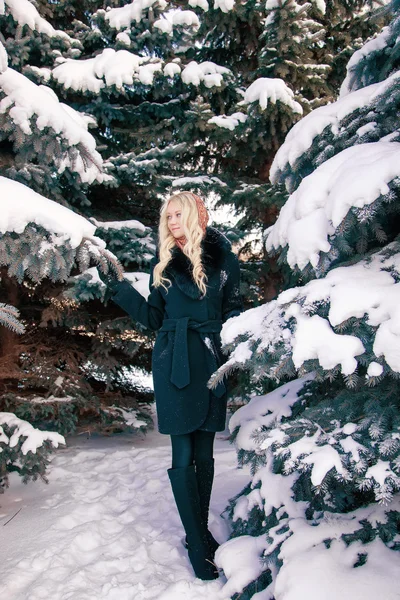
[232, 301]
[150, 312]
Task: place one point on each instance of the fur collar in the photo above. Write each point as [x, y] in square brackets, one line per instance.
[215, 247]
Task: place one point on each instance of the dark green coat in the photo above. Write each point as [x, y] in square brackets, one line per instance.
[188, 345]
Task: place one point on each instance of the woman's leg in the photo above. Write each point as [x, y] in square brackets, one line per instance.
[184, 485]
[204, 463]
[182, 450]
[203, 442]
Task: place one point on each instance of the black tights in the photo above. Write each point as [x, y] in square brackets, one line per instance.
[190, 448]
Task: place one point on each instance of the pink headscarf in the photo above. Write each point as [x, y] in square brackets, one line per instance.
[203, 220]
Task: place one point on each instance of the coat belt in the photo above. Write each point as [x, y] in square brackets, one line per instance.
[180, 371]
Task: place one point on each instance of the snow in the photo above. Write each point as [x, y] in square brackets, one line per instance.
[26, 101]
[323, 460]
[129, 224]
[22, 429]
[315, 338]
[366, 129]
[176, 17]
[356, 177]
[25, 13]
[129, 416]
[301, 136]
[241, 561]
[380, 472]
[185, 17]
[3, 58]
[350, 446]
[366, 289]
[207, 72]
[320, 5]
[379, 42]
[203, 4]
[224, 5]
[374, 369]
[197, 180]
[311, 571]
[122, 17]
[21, 205]
[140, 281]
[228, 121]
[264, 90]
[164, 25]
[171, 69]
[123, 38]
[111, 67]
[121, 67]
[106, 525]
[263, 411]
[310, 567]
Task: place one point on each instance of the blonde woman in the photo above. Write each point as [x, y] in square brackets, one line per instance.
[194, 287]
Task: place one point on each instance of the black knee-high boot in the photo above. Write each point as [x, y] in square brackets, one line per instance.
[205, 478]
[186, 494]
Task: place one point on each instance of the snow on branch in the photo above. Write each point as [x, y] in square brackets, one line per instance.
[266, 412]
[137, 226]
[303, 134]
[228, 121]
[122, 17]
[3, 58]
[207, 72]
[21, 205]
[375, 45]
[287, 330]
[25, 14]
[224, 5]
[34, 438]
[356, 177]
[199, 180]
[122, 67]
[203, 4]
[67, 238]
[25, 102]
[111, 67]
[176, 17]
[264, 90]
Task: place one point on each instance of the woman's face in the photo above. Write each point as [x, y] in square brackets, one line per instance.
[174, 215]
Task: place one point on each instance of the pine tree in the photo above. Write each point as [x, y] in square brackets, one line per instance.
[324, 448]
[22, 448]
[66, 358]
[287, 57]
[131, 101]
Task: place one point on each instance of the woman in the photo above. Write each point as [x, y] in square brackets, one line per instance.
[194, 286]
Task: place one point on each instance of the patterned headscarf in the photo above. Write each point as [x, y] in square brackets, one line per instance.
[203, 220]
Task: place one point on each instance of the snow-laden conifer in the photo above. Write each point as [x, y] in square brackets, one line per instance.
[324, 449]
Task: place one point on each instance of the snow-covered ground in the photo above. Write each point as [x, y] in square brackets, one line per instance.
[106, 526]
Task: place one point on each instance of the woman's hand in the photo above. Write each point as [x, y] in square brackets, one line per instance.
[111, 279]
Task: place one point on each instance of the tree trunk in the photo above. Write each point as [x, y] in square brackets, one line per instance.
[10, 295]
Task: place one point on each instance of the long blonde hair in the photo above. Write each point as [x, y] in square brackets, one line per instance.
[194, 235]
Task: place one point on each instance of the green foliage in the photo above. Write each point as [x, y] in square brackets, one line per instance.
[30, 467]
[324, 455]
[68, 415]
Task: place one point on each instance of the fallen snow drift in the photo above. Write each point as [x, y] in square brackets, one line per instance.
[106, 525]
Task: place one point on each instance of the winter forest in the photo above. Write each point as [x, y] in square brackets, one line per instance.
[283, 115]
